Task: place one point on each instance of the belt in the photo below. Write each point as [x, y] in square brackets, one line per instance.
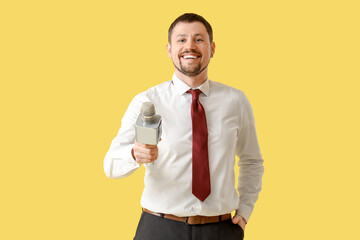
[193, 219]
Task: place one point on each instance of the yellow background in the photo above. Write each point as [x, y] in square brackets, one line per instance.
[69, 69]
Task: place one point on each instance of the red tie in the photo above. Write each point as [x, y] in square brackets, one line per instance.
[200, 158]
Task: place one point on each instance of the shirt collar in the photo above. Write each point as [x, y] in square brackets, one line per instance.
[181, 87]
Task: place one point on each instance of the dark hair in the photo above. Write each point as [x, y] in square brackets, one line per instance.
[189, 18]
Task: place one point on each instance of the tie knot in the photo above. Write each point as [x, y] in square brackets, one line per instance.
[195, 93]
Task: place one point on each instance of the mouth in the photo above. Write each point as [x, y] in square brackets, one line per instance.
[190, 56]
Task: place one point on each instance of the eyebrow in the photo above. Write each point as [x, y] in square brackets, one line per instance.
[184, 35]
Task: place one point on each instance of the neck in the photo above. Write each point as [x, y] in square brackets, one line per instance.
[194, 81]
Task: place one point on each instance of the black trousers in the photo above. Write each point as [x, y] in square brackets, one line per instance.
[156, 228]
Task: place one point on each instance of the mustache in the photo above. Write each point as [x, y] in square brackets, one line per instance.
[189, 51]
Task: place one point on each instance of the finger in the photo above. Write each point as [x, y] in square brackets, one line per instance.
[239, 220]
[144, 145]
[141, 160]
[146, 159]
[147, 146]
[152, 156]
[140, 155]
[146, 150]
[236, 219]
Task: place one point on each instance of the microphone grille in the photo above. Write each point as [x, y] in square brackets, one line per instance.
[148, 110]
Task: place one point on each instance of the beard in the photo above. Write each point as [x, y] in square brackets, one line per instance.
[192, 70]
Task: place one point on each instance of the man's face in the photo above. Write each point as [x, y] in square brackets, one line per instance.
[190, 48]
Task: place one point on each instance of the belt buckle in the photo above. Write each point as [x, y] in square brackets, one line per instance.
[186, 220]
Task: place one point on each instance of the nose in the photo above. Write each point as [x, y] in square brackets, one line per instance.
[190, 45]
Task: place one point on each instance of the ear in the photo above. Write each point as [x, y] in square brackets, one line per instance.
[168, 49]
[212, 49]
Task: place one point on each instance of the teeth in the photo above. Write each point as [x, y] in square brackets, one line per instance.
[189, 56]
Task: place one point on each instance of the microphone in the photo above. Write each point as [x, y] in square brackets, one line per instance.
[148, 125]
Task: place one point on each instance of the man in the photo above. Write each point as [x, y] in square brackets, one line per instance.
[189, 190]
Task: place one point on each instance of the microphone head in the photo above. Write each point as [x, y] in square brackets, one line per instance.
[147, 111]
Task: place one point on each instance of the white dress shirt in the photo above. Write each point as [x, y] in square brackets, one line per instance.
[168, 182]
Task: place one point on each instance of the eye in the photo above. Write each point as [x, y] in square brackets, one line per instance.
[199, 40]
[181, 40]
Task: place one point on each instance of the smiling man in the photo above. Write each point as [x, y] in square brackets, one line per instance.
[190, 49]
[190, 189]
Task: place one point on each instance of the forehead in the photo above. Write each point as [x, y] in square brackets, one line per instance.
[189, 29]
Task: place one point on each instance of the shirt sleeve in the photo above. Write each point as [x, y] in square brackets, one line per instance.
[251, 167]
[119, 162]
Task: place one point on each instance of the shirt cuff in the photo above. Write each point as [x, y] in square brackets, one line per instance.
[244, 211]
[124, 166]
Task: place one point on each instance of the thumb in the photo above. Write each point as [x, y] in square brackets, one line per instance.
[236, 219]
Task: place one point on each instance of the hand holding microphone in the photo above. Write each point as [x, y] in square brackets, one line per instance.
[148, 133]
[145, 153]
